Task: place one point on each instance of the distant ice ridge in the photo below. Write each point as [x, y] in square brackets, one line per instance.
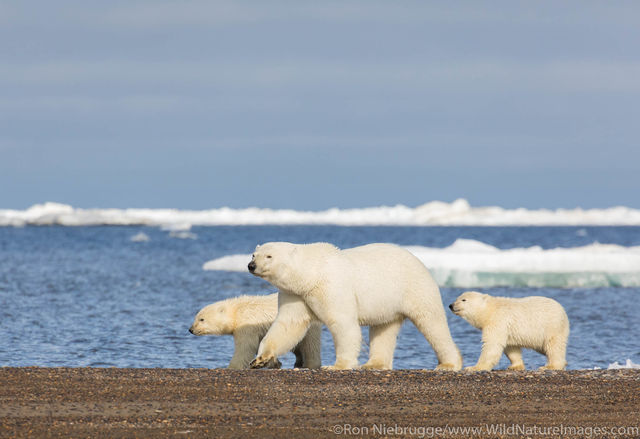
[458, 212]
[473, 264]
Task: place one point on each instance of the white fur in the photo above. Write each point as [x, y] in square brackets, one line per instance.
[509, 324]
[248, 318]
[376, 285]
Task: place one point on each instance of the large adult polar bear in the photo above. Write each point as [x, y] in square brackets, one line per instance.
[248, 319]
[510, 324]
[376, 285]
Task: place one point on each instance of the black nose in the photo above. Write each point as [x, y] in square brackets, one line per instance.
[191, 330]
[251, 266]
[451, 307]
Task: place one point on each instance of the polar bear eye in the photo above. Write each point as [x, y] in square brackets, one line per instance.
[464, 300]
[202, 320]
[268, 256]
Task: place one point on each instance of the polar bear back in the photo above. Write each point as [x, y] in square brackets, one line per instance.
[531, 321]
[230, 315]
[384, 278]
[255, 310]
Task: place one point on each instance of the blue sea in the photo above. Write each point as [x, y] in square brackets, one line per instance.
[125, 296]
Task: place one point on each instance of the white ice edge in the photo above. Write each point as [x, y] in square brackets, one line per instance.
[628, 365]
[475, 256]
[470, 263]
[458, 212]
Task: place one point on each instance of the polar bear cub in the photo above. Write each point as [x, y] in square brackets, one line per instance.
[510, 324]
[248, 318]
[376, 285]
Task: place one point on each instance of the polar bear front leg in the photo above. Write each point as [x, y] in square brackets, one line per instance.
[246, 345]
[281, 338]
[493, 345]
[382, 344]
[289, 327]
[347, 338]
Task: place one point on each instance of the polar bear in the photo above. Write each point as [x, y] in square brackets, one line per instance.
[376, 285]
[248, 318]
[509, 324]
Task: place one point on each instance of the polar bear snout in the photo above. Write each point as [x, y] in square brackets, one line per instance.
[252, 266]
[455, 310]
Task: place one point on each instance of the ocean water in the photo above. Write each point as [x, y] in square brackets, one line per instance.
[125, 296]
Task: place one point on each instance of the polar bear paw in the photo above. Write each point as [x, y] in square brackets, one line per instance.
[341, 366]
[552, 367]
[447, 366]
[264, 362]
[476, 368]
[373, 365]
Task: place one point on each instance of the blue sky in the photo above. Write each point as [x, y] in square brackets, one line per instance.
[310, 105]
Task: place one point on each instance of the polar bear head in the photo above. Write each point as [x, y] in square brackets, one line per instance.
[214, 319]
[271, 259]
[290, 267]
[471, 306]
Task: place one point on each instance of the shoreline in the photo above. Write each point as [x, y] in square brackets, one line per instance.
[90, 402]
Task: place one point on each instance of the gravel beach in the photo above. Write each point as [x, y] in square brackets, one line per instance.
[89, 402]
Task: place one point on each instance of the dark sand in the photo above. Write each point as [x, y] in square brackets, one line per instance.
[61, 402]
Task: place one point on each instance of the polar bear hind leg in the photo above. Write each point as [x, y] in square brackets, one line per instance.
[435, 329]
[299, 358]
[308, 351]
[514, 354]
[555, 349]
[382, 344]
